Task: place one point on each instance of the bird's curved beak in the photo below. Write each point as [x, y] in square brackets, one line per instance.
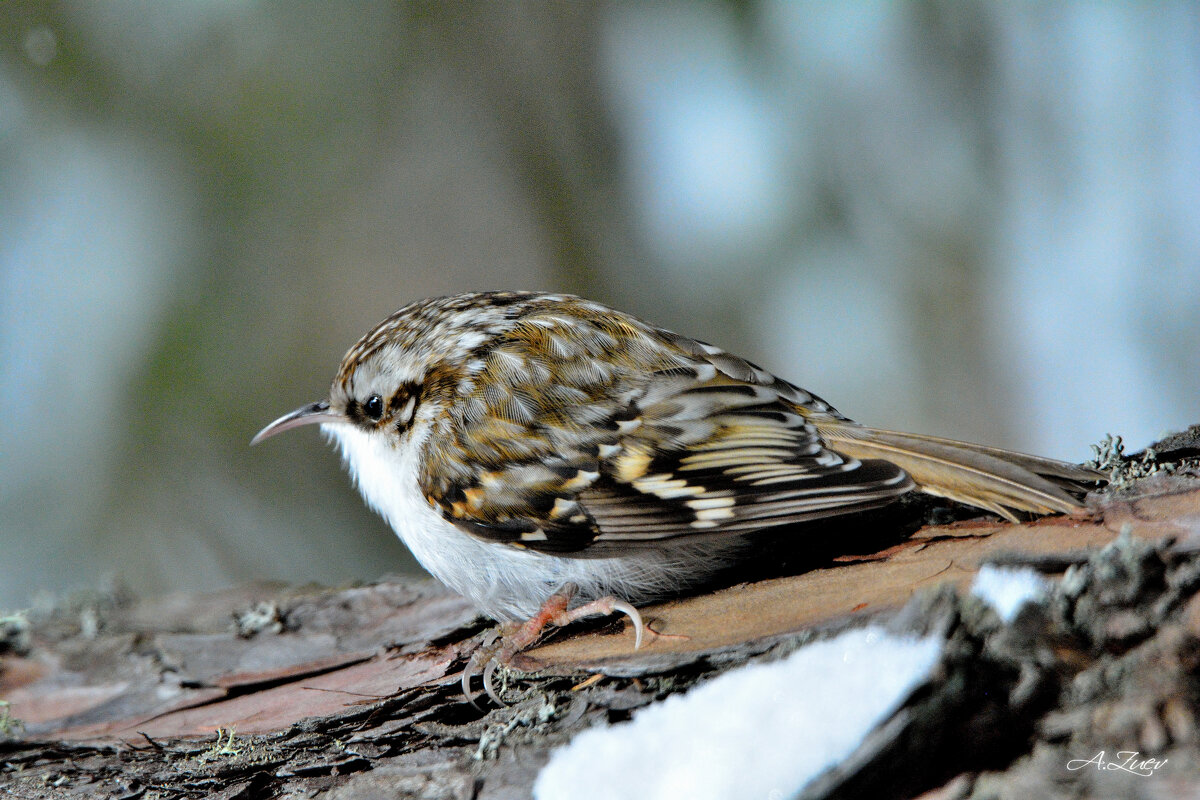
[311, 414]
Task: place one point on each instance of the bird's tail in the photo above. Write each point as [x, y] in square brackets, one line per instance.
[996, 480]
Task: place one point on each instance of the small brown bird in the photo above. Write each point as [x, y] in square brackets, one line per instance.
[536, 451]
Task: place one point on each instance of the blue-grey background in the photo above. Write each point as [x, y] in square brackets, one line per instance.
[977, 220]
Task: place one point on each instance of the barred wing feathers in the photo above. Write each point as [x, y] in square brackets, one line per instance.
[693, 460]
[728, 457]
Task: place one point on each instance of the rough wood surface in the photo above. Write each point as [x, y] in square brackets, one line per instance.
[353, 693]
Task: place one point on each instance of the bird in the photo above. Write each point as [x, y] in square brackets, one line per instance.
[549, 457]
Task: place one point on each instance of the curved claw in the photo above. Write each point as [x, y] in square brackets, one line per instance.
[634, 617]
[499, 647]
[489, 646]
[489, 672]
[468, 673]
[490, 663]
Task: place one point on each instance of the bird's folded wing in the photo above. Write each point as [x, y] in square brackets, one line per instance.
[696, 453]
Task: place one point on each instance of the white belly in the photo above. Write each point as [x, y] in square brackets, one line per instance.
[505, 582]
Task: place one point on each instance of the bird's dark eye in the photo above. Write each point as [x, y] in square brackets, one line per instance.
[373, 408]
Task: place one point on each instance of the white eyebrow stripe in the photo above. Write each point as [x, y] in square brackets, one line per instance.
[406, 413]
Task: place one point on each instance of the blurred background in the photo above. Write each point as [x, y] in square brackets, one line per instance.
[976, 220]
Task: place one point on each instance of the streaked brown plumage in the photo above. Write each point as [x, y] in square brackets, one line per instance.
[521, 441]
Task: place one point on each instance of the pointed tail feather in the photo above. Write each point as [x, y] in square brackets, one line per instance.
[990, 478]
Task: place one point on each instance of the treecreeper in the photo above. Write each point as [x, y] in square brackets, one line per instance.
[551, 458]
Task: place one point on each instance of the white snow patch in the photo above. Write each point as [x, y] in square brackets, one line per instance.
[762, 731]
[1007, 590]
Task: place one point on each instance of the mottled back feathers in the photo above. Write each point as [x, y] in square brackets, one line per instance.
[562, 426]
[558, 425]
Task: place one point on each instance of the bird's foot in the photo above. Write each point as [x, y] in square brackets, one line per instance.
[512, 638]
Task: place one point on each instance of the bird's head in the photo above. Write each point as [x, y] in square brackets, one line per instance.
[381, 383]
